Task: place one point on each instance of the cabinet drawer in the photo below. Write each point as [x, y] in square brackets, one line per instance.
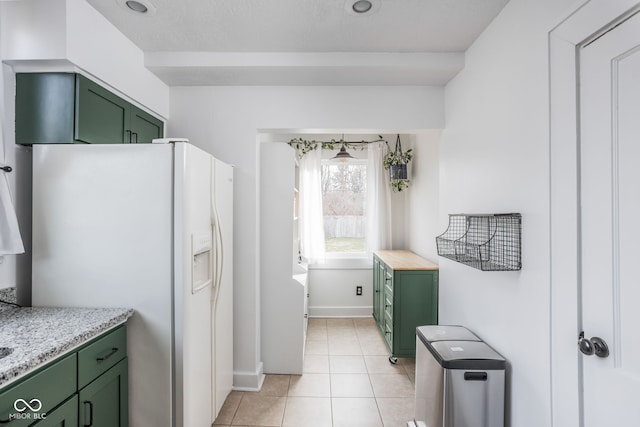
[388, 331]
[388, 306]
[42, 391]
[99, 356]
[388, 280]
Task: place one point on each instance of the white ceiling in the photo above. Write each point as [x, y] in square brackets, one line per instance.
[406, 41]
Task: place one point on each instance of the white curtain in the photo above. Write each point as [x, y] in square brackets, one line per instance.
[311, 217]
[10, 239]
[378, 200]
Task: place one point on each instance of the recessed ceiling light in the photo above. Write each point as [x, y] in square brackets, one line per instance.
[362, 6]
[136, 6]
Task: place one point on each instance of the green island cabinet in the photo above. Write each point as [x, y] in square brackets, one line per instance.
[69, 108]
[405, 296]
[87, 387]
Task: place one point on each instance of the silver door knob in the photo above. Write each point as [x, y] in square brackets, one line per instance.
[595, 345]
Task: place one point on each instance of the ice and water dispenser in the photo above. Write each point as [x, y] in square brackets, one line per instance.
[460, 380]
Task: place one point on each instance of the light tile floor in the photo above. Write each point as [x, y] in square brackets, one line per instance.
[347, 380]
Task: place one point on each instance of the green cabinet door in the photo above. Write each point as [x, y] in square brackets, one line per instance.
[104, 402]
[39, 393]
[65, 415]
[101, 116]
[376, 291]
[144, 127]
[379, 276]
[416, 301]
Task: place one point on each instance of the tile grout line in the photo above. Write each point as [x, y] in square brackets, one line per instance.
[286, 400]
[237, 408]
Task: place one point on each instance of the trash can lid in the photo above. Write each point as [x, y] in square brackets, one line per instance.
[431, 333]
[466, 355]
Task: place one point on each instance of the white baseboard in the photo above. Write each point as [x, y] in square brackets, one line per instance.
[340, 311]
[248, 381]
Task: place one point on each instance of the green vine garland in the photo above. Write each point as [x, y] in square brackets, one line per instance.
[303, 146]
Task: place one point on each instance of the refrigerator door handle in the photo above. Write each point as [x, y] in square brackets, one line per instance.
[219, 252]
[217, 238]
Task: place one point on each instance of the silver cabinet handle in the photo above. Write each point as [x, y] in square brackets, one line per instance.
[113, 351]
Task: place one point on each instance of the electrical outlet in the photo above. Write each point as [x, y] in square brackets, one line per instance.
[358, 290]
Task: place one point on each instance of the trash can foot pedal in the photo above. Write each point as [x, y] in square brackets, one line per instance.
[393, 360]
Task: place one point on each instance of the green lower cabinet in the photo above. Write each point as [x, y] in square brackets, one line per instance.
[104, 402]
[407, 298]
[88, 387]
[65, 415]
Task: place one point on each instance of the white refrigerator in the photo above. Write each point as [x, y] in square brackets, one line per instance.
[146, 226]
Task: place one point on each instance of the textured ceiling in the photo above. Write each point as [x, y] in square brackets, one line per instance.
[299, 26]
[303, 25]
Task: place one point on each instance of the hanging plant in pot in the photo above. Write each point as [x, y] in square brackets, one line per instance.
[396, 162]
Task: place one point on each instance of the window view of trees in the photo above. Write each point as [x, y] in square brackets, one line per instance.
[344, 195]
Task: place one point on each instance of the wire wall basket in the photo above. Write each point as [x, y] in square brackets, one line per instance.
[486, 242]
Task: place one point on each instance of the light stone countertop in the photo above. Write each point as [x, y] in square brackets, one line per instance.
[39, 335]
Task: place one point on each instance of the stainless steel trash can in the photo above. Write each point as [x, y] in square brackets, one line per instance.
[432, 333]
[458, 383]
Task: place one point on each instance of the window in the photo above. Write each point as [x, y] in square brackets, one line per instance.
[344, 199]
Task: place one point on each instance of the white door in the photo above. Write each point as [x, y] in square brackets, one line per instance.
[610, 225]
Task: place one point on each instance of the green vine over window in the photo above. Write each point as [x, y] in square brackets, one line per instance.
[395, 161]
[303, 146]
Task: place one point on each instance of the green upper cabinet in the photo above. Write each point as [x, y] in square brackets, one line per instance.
[144, 127]
[101, 117]
[45, 108]
[69, 108]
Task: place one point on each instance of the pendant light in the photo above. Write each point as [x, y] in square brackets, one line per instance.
[343, 155]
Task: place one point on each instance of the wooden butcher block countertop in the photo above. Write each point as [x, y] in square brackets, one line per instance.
[405, 260]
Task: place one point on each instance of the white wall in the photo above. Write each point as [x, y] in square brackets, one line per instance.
[424, 222]
[494, 157]
[226, 122]
[333, 292]
[112, 58]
